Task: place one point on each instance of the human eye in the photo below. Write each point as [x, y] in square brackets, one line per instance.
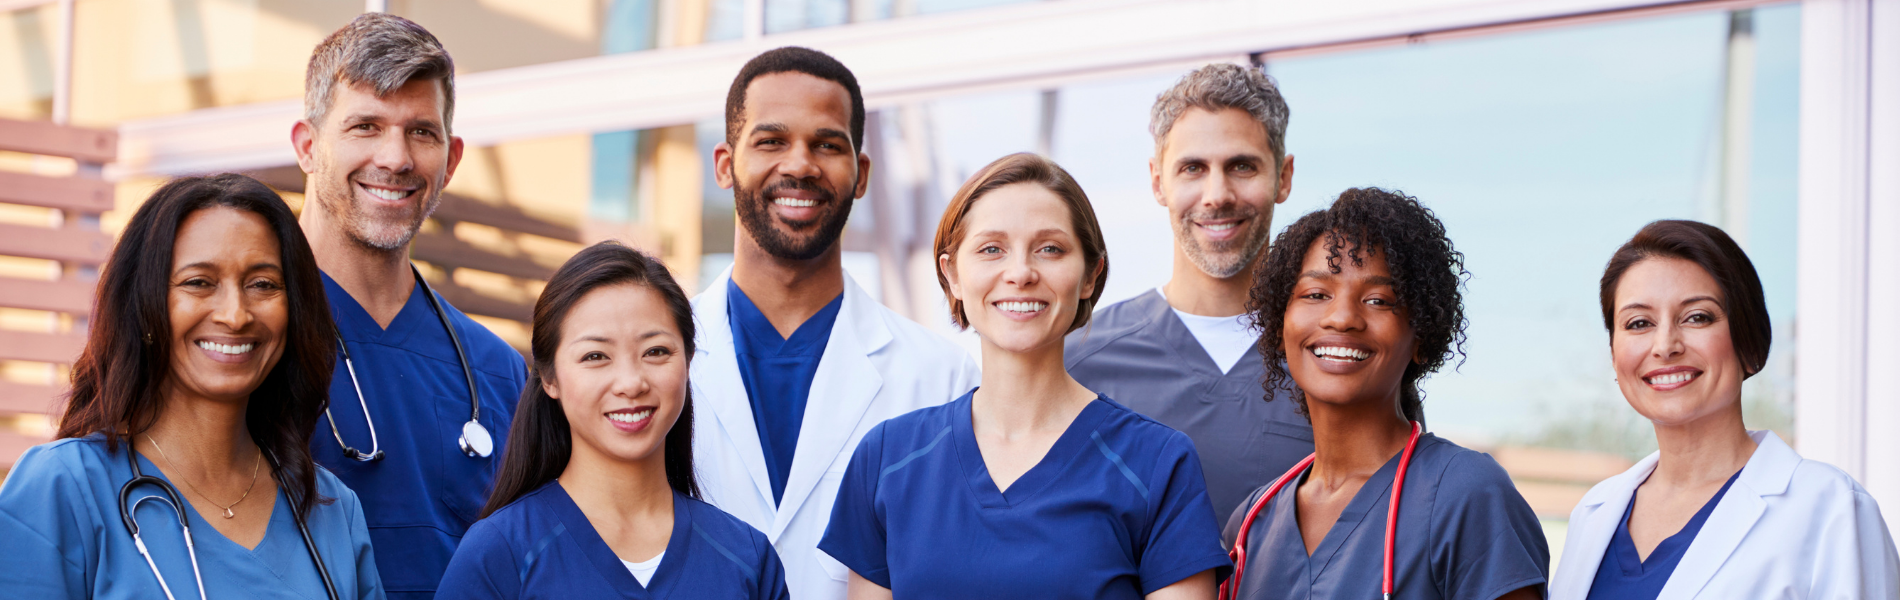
[197, 283]
[1246, 168]
[266, 284]
[1637, 324]
[658, 351]
[594, 356]
[990, 249]
[1193, 168]
[1050, 249]
[1699, 318]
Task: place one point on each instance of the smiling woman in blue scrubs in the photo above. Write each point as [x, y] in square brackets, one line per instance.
[596, 496]
[205, 371]
[1357, 303]
[1031, 486]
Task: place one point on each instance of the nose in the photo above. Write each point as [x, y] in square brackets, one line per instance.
[1217, 189]
[798, 164]
[1669, 344]
[392, 151]
[1343, 315]
[1018, 271]
[230, 308]
[631, 382]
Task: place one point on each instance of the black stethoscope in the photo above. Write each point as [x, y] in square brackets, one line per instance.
[1231, 588]
[177, 504]
[475, 440]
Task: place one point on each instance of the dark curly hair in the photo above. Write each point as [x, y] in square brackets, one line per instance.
[1427, 271]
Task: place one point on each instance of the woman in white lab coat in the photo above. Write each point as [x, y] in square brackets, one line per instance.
[1719, 511]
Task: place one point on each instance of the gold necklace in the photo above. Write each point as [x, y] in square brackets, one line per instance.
[255, 462]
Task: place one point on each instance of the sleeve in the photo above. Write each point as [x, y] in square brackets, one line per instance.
[50, 552]
[1184, 539]
[1231, 532]
[1485, 540]
[1856, 557]
[483, 567]
[771, 571]
[369, 583]
[855, 535]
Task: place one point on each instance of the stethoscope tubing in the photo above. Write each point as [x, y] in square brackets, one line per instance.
[1231, 588]
[468, 375]
[128, 514]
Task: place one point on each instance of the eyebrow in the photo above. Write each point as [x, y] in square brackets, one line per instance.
[1000, 233]
[1245, 157]
[603, 339]
[205, 264]
[1373, 280]
[1685, 302]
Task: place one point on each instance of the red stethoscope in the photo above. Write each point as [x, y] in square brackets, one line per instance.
[1231, 587]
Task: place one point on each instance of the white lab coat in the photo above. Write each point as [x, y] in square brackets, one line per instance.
[1788, 528]
[877, 365]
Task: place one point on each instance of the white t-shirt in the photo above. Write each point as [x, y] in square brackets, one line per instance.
[1225, 339]
[644, 571]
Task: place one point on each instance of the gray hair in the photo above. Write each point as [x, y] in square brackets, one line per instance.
[1221, 86]
[382, 50]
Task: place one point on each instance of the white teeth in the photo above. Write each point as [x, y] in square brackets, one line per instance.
[632, 417]
[1221, 227]
[1672, 378]
[1337, 352]
[795, 202]
[226, 348]
[386, 194]
[1022, 307]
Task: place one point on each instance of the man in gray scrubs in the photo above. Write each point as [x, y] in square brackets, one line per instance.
[1183, 354]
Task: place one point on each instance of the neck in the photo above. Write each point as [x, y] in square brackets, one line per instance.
[1354, 440]
[787, 291]
[1027, 391]
[628, 490]
[1707, 450]
[1193, 291]
[204, 433]
[379, 280]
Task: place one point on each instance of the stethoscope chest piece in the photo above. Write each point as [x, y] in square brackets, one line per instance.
[475, 440]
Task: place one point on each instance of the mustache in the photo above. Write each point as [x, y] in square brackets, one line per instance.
[825, 195]
[387, 178]
[1231, 211]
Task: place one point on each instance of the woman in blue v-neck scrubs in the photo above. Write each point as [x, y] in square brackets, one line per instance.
[1357, 303]
[596, 496]
[1031, 486]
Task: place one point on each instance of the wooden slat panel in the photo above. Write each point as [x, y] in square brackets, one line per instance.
[60, 348]
[473, 303]
[447, 251]
[12, 445]
[57, 296]
[88, 247]
[66, 193]
[28, 398]
[40, 137]
[457, 208]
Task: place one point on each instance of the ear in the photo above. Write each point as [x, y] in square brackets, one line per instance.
[949, 270]
[864, 175]
[551, 387]
[1088, 286]
[722, 165]
[1154, 180]
[455, 158]
[1286, 180]
[303, 138]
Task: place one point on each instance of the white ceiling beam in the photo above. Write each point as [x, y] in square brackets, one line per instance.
[1027, 46]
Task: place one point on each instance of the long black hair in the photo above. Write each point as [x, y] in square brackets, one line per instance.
[539, 442]
[119, 379]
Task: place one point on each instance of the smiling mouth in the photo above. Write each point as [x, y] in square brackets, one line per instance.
[228, 349]
[631, 417]
[1672, 378]
[1022, 308]
[385, 193]
[1340, 353]
[1218, 226]
[794, 202]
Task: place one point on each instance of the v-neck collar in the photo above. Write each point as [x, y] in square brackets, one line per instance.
[198, 534]
[808, 339]
[1172, 332]
[1037, 478]
[1632, 563]
[1370, 500]
[355, 324]
[608, 564]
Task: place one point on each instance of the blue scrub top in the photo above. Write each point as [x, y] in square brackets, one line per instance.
[1116, 509]
[543, 546]
[1627, 576]
[778, 373]
[59, 520]
[1464, 533]
[424, 493]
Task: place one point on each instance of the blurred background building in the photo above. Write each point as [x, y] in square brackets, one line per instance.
[1544, 133]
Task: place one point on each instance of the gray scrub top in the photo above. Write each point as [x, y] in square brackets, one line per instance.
[1139, 353]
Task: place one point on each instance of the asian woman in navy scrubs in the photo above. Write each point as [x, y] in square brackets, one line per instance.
[596, 496]
[1030, 486]
[1357, 303]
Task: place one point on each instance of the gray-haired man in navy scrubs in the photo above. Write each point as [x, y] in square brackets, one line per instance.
[1183, 354]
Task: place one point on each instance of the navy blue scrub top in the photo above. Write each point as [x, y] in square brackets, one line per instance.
[543, 546]
[1464, 533]
[1624, 575]
[1116, 509]
[1140, 352]
[424, 493]
[778, 373]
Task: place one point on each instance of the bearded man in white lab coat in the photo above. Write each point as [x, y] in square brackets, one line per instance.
[795, 362]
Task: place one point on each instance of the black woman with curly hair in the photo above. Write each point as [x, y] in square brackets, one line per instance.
[1357, 303]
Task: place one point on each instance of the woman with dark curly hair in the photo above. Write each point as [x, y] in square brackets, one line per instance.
[1357, 303]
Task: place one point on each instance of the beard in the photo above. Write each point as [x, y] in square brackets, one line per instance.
[1225, 258]
[380, 228]
[779, 237]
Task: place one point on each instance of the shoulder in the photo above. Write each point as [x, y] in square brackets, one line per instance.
[329, 486]
[721, 525]
[1463, 475]
[516, 521]
[927, 420]
[1110, 325]
[915, 340]
[1140, 439]
[1827, 484]
[66, 462]
[486, 351]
